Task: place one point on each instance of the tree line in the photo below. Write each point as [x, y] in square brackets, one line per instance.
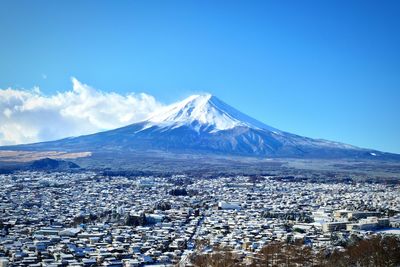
[376, 251]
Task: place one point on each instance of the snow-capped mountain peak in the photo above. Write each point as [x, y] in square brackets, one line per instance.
[204, 112]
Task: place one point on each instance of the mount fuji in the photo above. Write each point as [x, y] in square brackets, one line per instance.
[204, 124]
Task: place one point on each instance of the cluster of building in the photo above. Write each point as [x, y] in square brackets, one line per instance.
[87, 219]
[248, 215]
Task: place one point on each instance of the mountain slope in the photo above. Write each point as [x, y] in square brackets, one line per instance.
[203, 113]
[205, 124]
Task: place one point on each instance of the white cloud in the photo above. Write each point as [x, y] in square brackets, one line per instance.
[30, 116]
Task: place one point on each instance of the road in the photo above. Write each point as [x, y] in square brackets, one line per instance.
[185, 259]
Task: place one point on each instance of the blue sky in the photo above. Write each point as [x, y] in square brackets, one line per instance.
[324, 69]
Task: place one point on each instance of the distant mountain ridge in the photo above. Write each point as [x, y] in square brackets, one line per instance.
[205, 124]
[52, 164]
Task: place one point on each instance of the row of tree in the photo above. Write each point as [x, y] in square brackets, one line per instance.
[377, 251]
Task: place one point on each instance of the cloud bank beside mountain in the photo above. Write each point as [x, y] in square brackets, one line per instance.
[28, 116]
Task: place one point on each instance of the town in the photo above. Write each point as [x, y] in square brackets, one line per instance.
[91, 219]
